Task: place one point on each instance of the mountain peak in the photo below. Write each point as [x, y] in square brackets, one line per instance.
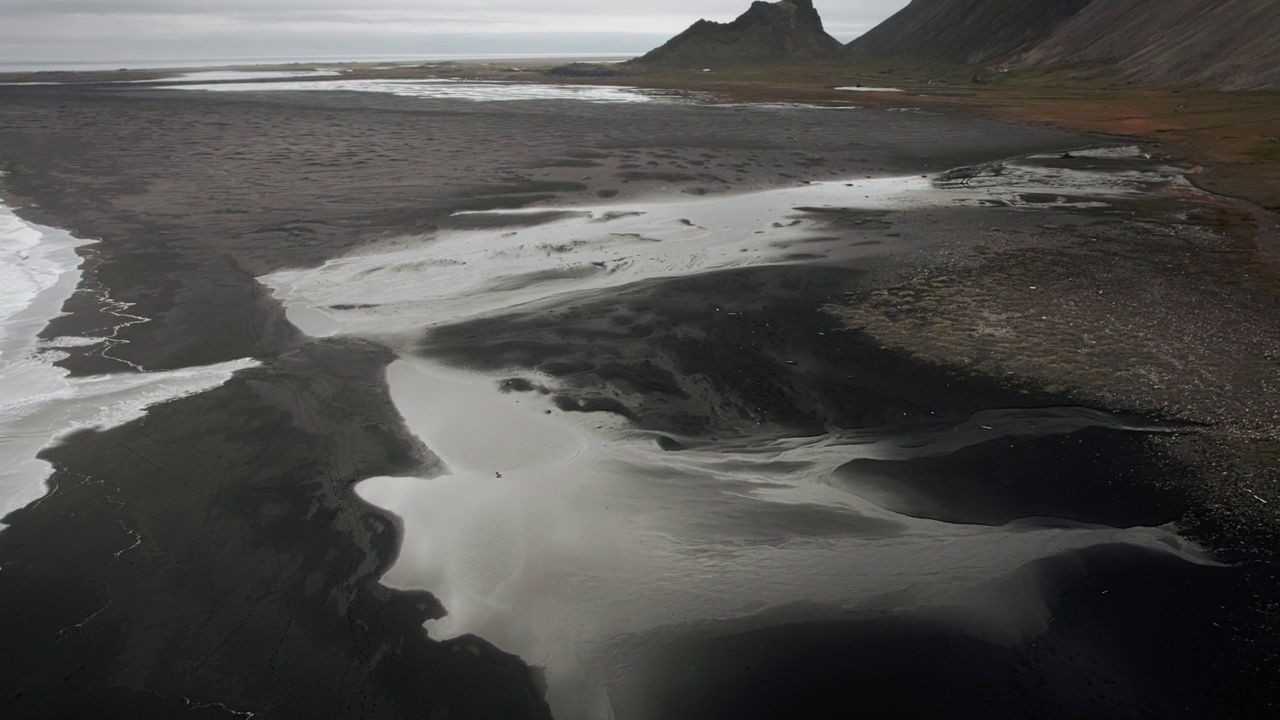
[766, 32]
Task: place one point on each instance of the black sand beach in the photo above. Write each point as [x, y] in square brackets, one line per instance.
[213, 560]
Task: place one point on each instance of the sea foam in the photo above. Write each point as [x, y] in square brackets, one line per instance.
[40, 402]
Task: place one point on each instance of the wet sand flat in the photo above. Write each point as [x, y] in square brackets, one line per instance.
[701, 415]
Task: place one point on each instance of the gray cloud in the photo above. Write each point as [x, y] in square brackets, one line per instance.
[82, 30]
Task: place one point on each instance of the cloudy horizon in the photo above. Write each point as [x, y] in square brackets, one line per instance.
[54, 32]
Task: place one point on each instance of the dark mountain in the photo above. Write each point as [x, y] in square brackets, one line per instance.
[1226, 43]
[1233, 44]
[767, 32]
[965, 32]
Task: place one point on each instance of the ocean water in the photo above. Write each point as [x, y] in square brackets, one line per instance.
[40, 402]
[577, 543]
[37, 264]
[224, 62]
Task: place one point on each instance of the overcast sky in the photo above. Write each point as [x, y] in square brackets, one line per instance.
[43, 31]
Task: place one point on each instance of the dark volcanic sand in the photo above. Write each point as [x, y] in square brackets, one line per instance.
[212, 559]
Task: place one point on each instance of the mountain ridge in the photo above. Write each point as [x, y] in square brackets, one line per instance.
[1223, 43]
[1232, 44]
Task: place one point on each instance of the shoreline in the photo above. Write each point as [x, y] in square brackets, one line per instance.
[244, 497]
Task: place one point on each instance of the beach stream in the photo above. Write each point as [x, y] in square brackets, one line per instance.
[578, 542]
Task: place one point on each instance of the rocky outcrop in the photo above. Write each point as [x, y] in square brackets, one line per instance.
[766, 32]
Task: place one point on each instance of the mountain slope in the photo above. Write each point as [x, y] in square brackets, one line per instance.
[766, 32]
[1227, 43]
[966, 32]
